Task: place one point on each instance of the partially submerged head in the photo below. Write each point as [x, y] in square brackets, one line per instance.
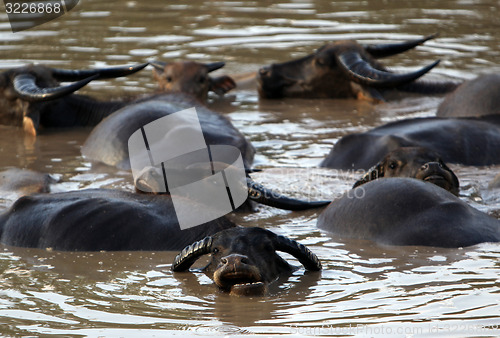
[415, 162]
[191, 77]
[344, 69]
[244, 260]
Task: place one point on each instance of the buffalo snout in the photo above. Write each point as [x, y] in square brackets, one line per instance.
[234, 259]
[436, 173]
[236, 274]
[432, 167]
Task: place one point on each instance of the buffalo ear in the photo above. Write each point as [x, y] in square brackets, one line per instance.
[367, 93]
[375, 172]
[222, 84]
[191, 253]
[150, 179]
[305, 256]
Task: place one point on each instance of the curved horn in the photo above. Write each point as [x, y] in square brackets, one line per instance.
[373, 173]
[104, 73]
[305, 256]
[362, 72]
[260, 194]
[214, 66]
[191, 253]
[389, 49]
[26, 88]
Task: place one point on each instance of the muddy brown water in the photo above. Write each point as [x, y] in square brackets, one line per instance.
[364, 289]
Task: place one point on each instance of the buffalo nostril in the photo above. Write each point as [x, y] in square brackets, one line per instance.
[234, 259]
[432, 166]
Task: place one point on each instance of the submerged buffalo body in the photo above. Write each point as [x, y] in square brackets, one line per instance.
[99, 219]
[244, 260]
[478, 97]
[345, 69]
[406, 211]
[468, 141]
[108, 142]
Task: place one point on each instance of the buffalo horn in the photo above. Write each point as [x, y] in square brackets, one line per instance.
[104, 73]
[214, 66]
[260, 194]
[375, 172]
[26, 88]
[191, 253]
[305, 256]
[362, 72]
[389, 49]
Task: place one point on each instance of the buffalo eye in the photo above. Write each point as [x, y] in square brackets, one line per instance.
[215, 251]
[169, 79]
[393, 165]
[202, 79]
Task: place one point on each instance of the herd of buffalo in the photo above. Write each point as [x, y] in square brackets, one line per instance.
[409, 194]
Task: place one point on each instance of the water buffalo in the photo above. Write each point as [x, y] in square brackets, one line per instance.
[100, 219]
[191, 78]
[33, 97]
[477, 97]
[345, 69]
[108, 141]
[415, 162]
[103, 219]
[468, 141]
[407, 211]
[244, 260]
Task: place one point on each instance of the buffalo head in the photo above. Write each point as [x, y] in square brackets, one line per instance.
[415, 162]
[29, 91]
[244, 260]
[344, 69]
[151, 179]
[191, 77]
